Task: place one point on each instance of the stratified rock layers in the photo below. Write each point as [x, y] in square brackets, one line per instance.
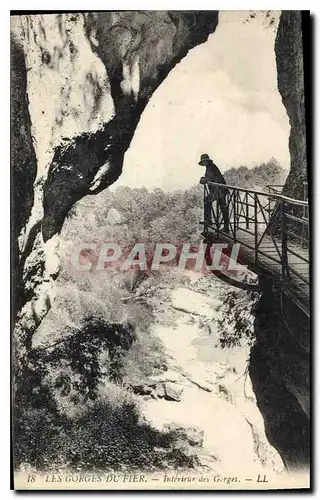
[87, 79]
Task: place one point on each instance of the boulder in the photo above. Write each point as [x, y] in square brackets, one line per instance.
[225, 393]
[142, 387]
[154, 394]
[172, 392]
[160, 390]
[168, 376]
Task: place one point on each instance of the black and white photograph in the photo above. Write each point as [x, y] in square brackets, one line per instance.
[160, 240]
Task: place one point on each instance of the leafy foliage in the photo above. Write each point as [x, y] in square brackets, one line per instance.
[260, 176]
[70, 407]
[156, 216]
[107, 435]
[237, 319]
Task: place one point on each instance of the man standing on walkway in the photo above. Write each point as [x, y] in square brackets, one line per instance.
[213, 174]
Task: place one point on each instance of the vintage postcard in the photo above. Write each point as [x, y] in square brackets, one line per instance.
[160, 250]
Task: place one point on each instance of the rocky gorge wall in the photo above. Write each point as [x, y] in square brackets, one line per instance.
[72, 122]
[280, 358]
[291, 85]
[280, 373]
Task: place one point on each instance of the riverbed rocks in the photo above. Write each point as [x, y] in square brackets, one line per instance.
[160, 390]
[172, 392]
[165, 389]
[191, 302]
[142, 388]
[215, 415]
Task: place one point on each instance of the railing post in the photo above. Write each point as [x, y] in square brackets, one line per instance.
[218, 210]
[255, 229]
[284, 247]
[205, 226]
[247, 211]
[234, 216]
[304, 215]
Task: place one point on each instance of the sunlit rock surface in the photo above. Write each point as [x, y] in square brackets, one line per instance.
[80, 83]
[216, 410]
[291, 85]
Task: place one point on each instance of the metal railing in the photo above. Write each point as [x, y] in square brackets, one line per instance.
[273, 226]
[274, 188]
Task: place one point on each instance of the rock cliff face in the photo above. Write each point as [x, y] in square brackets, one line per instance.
[280, 358]
[24, 160]
[83, 117]
[289, 59]
[280, 374]
[71, 125]
[202, 375]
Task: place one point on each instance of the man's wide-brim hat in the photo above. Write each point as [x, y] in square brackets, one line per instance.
[204, 159]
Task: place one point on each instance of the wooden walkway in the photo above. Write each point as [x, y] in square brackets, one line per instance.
[285, 257]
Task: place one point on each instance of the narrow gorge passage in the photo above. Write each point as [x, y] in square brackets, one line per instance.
[211, 391]
[111, 113]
